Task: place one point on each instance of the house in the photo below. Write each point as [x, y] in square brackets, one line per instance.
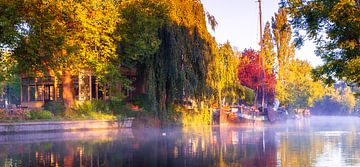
[35, 92]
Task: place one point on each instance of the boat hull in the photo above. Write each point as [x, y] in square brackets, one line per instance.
[236, 118]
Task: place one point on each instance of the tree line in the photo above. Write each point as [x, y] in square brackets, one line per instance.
[168, 42]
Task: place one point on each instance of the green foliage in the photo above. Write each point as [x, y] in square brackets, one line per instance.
[9, 80]
[192, 116]
[11, 89]
[300, 89]
[7, 66]
[267, 49]
[246, 94]
[56, 107]
[348, 99]
[141, 21]
[357, 105]
[223, 78]
[285, 52]
[35, 114]
[93, 109]
[212, 21]
[339, 101]
[335, 27]
[116, 104]
[142, 100]
[295, 87]
[57, 36]
[169, 43]
[90, 106]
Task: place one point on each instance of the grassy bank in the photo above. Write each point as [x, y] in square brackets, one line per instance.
[179, 115]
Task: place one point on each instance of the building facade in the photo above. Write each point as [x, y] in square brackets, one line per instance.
[35, 92]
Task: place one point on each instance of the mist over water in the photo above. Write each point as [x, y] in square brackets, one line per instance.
[315, 141]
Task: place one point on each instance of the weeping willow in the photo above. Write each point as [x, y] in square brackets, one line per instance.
[172, 55]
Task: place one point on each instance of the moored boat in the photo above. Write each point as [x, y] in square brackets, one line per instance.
[245, 114]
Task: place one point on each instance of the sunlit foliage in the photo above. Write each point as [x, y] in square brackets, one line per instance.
[250, 75]
[267, 49]
[338, 100]
[61, 37]
[223, 72]
[285, 51]
[64, 35]
[299, 85]
[335, 27]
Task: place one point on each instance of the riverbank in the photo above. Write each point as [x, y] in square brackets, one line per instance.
[40, 126]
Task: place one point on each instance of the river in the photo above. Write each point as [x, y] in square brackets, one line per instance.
[315, 141]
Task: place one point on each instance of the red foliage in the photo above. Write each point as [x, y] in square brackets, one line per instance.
[250, 75]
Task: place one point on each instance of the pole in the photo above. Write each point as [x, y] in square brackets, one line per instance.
[260, 17]
[262, 59]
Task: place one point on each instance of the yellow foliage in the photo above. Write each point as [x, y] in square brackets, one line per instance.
[223, 70]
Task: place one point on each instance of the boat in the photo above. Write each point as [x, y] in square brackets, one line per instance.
[244, 114]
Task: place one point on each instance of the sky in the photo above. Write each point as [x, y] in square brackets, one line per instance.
[238, 22]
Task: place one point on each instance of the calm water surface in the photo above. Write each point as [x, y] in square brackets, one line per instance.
[318, 141]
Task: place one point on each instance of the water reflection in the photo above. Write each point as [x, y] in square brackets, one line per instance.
[304, 143]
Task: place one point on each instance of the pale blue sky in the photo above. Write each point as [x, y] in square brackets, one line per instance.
[239, 23]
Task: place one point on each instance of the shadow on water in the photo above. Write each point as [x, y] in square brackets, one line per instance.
[317, 141]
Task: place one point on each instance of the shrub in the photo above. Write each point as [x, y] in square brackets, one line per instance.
[94, 109]
[87, 107]
[143, 101]
[2, 114]
[117, 105]
[35, 114]
[56, 107]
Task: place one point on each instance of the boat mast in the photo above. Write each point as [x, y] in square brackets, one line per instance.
[262, 61]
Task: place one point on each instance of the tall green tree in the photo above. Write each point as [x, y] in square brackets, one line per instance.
[62, 37]
[335, 26]
[223, 72]
[267, 51]
[168, 43]
[285, 51]
[301, 88]
[9, 81]
[339, 99]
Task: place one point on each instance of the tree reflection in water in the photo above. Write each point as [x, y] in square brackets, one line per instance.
[302, 144]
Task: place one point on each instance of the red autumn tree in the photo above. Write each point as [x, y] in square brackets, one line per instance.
[251, 75]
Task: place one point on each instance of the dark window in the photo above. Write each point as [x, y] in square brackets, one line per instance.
[32, 93]
[59, 91]
[40, 93]
[84, 88]
[93, 87]
[24, 88]
[76, 87]
[49, 93]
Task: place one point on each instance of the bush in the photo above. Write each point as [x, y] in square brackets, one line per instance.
[35, 114]
[87, 107]
[143, 101]
[94, 109]
[117, 105]
[56, 107]
[2, 114]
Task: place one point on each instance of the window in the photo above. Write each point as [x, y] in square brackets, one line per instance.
[84, 85]
[49, 93]
[32, 93]
[24, 89]
[76, 87]
[94, 94]
[39, 93]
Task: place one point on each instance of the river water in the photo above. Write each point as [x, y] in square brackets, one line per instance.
[316, 141]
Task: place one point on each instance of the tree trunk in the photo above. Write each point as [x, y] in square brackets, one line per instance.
[223, 119]
[68, 89]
